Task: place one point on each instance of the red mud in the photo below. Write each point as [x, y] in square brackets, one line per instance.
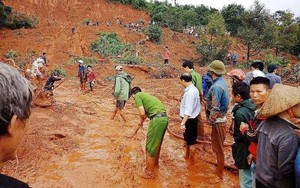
[74, 143]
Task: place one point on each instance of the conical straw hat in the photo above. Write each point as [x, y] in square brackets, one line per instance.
[281, 98]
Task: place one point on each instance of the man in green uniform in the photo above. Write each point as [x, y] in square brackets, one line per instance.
[151, 107]
[197, 82]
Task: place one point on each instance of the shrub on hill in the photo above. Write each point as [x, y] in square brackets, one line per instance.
[122, 1]
[154, 33]
[279, 61]
[139, 4]
[18, 20]
[14, 20]
[109, 45]
[11, 54]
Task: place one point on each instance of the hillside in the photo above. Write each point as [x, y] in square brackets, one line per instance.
[74, 143]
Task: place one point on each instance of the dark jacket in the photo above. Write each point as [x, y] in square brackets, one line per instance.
[242, 112]
[276, 152]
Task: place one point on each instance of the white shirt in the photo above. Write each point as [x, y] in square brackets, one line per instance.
[190, 103]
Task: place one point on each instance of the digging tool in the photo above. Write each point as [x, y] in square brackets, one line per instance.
[58, 84]
[105, 94]
[135, 132]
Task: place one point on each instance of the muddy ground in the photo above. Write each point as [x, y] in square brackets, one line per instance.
[73, 143]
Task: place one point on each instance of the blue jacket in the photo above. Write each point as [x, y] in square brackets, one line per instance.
[273, 79]
[206, 84]
[217, 100]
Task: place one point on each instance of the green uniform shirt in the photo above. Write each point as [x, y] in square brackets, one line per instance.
[151, 104]
[197, 80]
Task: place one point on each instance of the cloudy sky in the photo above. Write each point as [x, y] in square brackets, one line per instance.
[272, 5]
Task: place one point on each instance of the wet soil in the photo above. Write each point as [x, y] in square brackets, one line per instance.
[72, 142]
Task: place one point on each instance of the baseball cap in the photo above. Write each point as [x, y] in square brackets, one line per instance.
[80, 61]
[119, 67]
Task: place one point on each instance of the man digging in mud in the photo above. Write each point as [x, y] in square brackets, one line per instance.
[49, 86]
[151, 107]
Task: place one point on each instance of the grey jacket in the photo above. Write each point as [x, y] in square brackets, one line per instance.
[276, 152]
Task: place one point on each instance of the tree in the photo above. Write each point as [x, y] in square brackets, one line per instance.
[287, 29]
[258, 30]
[296, 49]
[232, 15]
[203, 13]
[216, 45]
[139, 4]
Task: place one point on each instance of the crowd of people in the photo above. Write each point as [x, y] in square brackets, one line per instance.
[265, 116]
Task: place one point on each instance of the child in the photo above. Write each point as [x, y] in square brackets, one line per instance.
[91, 77]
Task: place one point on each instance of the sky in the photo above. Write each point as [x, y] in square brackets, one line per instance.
[272, 5]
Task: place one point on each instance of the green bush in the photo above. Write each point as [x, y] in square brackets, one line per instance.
[139, 4]
[108, 44]
[11, 54]
[140, 21]
[279, 61]
[60, 72]
[17, 20]
[122, 1]
[155, 33]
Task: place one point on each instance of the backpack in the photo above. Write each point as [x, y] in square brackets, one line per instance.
[128, 79]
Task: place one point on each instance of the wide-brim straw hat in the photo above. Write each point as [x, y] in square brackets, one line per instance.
[281, 98]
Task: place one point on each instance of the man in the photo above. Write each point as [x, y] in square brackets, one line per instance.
[167, 55]
[121, 91]
[234, 58]
[15, 99]
[272, 70]
[258, 67]
[237, 75]
[277, 139]
[197, 81]
[82, 74]
[216, 110]
[189, 110]
[243, 111]
[43, 56]
[151, 107]
[259, 92]
[49, 86]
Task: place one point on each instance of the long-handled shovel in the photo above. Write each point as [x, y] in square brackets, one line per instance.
[105, 94]
[59, 84]
[135, 132]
